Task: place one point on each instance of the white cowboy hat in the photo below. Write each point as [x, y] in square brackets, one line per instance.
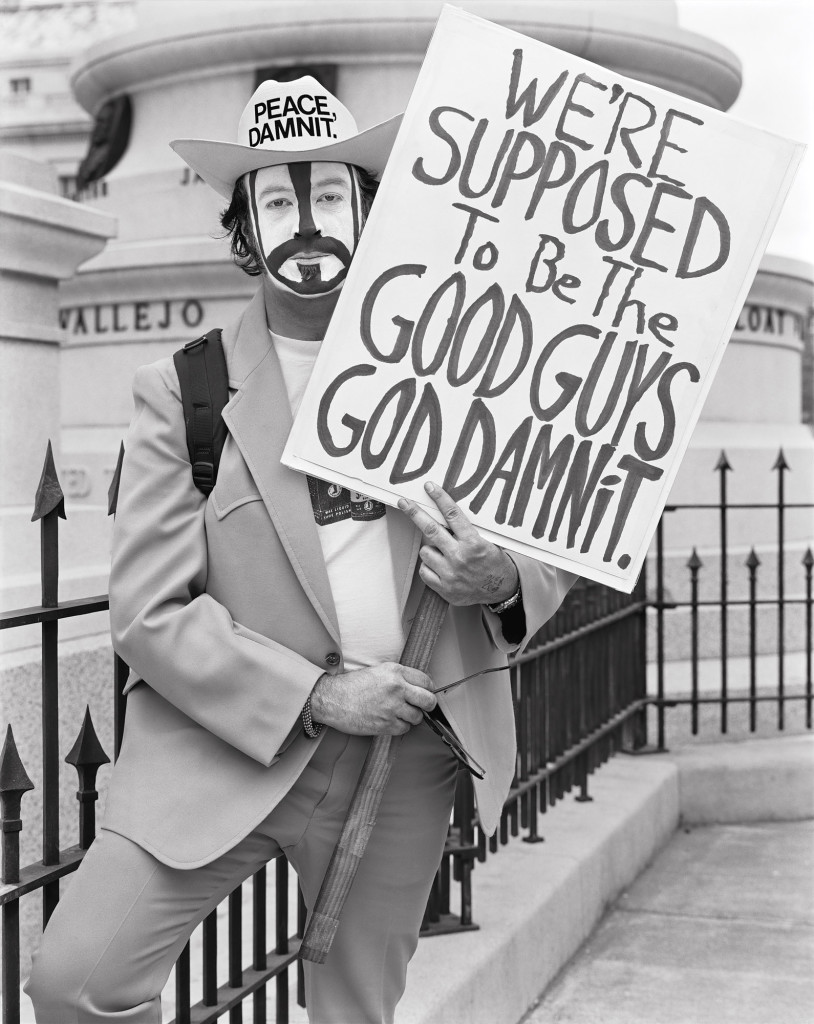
[284, 123]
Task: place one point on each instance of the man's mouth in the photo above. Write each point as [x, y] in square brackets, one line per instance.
[308, 257]
[309, 265]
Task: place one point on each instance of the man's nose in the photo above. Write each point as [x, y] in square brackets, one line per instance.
[307, 229]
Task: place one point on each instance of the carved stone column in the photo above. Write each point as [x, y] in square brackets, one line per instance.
[43, 239]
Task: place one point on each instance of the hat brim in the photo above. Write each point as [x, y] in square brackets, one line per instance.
[220, 164]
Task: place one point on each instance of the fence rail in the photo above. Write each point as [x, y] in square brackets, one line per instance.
[580, 695]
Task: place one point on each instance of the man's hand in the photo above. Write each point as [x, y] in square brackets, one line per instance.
[383, 700]
[460, 565]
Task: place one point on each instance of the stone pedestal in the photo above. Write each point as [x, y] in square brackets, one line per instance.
[754, 411]
[44, 239]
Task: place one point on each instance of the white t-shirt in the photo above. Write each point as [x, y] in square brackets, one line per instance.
[352, 530]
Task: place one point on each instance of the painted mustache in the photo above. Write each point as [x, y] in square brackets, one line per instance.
[326, 246]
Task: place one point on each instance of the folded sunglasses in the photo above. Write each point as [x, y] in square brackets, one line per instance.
[437, 721]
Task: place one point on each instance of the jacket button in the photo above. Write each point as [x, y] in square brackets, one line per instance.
[332, 658]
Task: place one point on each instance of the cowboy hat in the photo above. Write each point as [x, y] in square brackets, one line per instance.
[284, 123]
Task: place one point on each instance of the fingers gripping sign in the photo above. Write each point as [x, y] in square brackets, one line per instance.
[456, 562]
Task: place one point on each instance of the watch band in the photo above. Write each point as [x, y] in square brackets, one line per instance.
[504, 606]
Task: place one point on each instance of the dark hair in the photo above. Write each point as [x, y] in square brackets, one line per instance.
[236, 222]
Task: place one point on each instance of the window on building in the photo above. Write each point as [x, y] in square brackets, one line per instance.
[20, 86]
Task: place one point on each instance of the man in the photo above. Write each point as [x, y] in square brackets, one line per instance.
[263, 625]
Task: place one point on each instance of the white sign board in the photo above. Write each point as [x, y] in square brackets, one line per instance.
[554, 262]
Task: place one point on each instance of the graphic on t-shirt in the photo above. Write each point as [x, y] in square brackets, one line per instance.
[333, 503]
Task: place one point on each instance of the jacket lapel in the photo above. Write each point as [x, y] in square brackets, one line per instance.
[259, 419]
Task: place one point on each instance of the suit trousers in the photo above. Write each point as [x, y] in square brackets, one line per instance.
[125, 917]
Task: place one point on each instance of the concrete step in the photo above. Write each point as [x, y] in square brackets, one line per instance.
[752, 780]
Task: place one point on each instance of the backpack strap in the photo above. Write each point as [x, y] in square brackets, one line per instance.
[201, 368]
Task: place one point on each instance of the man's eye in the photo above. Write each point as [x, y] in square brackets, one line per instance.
[277, 204]
[331, 197]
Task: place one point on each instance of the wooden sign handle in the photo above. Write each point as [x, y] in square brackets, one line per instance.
[367, 796]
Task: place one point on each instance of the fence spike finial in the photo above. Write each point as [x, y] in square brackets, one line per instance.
[723, 462]
[752, 562]
[780, 461]
[87, 751]
[13, 776]
[694, 561]
[808, 559]
[14, 782]
[49, 493]
[87, 756]
[113, 490]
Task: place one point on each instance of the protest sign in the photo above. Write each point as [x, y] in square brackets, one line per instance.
[551, 270]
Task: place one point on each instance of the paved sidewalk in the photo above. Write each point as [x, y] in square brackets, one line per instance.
[718, 930]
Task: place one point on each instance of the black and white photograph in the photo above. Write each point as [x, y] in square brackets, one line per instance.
[407, 511]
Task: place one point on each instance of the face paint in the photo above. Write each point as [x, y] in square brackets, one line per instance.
[306, 219]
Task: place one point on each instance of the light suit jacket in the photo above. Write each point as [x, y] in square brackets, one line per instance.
[223, 610]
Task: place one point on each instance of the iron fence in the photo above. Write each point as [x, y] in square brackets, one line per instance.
[735, 586]
[580, 695]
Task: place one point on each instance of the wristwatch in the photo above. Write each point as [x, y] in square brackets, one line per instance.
[504, 606]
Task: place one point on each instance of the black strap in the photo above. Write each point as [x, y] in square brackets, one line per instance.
[201, 368]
